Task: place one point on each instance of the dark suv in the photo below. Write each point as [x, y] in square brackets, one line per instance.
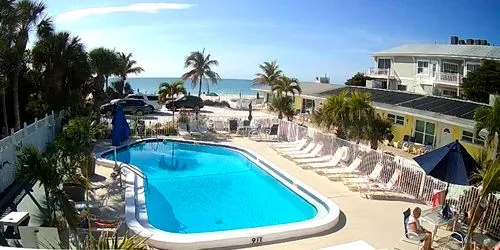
[130, 106]
[190, 102]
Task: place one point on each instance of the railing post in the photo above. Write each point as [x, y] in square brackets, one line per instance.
[422, 183]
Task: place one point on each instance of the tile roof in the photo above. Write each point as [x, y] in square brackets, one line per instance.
[444, 50]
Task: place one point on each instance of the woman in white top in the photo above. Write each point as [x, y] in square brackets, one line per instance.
[413, 225]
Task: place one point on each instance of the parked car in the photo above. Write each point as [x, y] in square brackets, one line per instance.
[130, 106]
[152, 100]
[189, 102]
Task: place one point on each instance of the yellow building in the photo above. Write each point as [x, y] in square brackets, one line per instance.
[428, 120]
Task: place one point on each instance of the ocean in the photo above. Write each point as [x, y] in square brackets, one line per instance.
[150, 85]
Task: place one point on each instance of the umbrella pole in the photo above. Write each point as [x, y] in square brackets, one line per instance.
[446, 192]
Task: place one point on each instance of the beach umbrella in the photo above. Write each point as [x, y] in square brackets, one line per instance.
[250, 111]
[121, 130]
[450, 163]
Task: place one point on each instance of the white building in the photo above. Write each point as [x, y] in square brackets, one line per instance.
[434, 69]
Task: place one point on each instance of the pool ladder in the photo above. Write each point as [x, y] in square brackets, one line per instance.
[136, 172]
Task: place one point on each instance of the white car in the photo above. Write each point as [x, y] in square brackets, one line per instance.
[149, 99]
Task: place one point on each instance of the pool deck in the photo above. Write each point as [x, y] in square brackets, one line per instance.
[378, 222]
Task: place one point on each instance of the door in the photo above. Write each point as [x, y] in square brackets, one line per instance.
[446, 137]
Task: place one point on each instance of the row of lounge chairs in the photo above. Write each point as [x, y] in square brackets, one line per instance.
[336, 167]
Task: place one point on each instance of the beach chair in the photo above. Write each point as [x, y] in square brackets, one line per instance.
[333, 162]
[233, 126]
[305, 150]
[314, 153]
[314, 160]
[220, 129]
[297, 147]
[287, 144]
[359, 180]
[409, 237]
[182, 129]
[370, 189]
[272, 132]
[333, 174]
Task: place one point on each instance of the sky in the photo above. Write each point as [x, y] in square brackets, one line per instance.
[307, 38]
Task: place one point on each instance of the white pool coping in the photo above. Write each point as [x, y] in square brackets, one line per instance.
[137, 221]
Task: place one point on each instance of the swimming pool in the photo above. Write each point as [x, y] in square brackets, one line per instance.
[200, 195]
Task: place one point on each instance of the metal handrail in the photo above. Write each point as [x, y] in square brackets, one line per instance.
[136, 172]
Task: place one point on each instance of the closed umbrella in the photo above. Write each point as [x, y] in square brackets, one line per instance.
[250, 111]
[121, 130]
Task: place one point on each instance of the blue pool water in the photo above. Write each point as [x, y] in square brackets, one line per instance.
[199, 188]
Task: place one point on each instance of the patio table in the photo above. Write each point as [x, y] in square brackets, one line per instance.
[13, 219]
[433, 216]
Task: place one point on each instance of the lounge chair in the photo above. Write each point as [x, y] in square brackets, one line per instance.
[304, 150]
[314, 160]
[297, 147]
[333, 173]
[220, 129]
[272, 132]
[182, 130]
[287, 144]
[333, 162]
[369, 189]
[314, 153]
[372, 177]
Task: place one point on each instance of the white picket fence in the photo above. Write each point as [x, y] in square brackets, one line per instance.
[38, 134]
[412, 182]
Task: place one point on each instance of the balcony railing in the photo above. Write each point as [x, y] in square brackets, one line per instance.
[376, 72]
[448, 78]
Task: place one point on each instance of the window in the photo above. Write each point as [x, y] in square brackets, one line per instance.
[450, 67]
[472, 67]
[396, 119]
[402, 87]
[135, 97]
[450, 93]
[379, 84]
[152, 98]
[423, 67]
[471, 138]
[424, 132]
[384, 63]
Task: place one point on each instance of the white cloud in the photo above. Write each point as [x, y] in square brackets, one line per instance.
[137, 7]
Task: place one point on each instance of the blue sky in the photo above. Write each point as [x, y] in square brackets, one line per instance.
[307, 38]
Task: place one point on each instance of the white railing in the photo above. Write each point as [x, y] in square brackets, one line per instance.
[448, 78]
[376, 72]
[412, 182]
[38, 134]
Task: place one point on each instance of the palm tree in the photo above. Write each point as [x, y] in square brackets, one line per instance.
[29, 15]
[283, 105]
[270, 73]
[488, 118]
[126, 66]
[490, 183]
[103, 62]
[360, 111]
[376, 129]
[3, 87]
[285, 85]
[335, 114]
[168, 91]
[201, 68]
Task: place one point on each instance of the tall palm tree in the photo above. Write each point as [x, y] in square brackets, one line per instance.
[360, 112]
[29, 15]
[7, 37]
[286, 85]
[488, 118]
[489, 174]
[103, 62]
[3, 87]
[200, 65]
[127, 66]
[284, 106]
[270, 73]
[169, 91]
[376, 129]
[335, 114]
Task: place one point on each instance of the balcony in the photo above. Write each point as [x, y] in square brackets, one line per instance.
[380, 73]
[452, 79]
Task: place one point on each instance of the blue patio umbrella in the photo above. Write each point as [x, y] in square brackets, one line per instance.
[121, 130]
[450, 163]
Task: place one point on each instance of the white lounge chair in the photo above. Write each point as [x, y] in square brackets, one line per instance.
[220, 129]
[370, 189]
[287, 144]
[313, 160]
[360, 180]
[182, 130]
[297, 147]
[333, 162]
[314, 153]
[352, 168]
[305, 150]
